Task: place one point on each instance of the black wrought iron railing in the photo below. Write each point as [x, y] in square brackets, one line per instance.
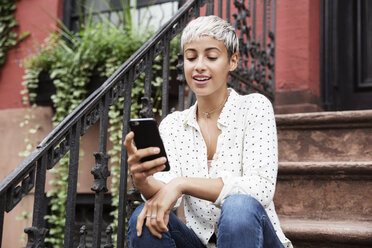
[255, 24]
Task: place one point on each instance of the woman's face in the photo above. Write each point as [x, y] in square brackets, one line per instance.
[206, 66]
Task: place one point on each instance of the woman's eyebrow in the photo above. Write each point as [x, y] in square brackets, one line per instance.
[207, 49]
[190, 49]
[212, 48]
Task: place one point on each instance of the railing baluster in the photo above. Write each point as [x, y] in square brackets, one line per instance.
[2, 211]
[83, 237]
[264, 7]
[273, 12]
[100, 172]
[228, 11]
[181, 95]
[124, 165]
[165, 85]
[109, 243]
[197, 10]
[191, 98]
[220, 8]
[147, 103]
[210, 7]
[38, 227]
[148, 73]
[40, 199]
[273, 19]
[254, 21]
[181, 82]
[72, 184]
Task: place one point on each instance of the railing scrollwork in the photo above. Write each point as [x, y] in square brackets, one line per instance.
[100, 172]
[36, 237]
[16, 192]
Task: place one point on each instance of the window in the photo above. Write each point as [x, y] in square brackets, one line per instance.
[144, 12]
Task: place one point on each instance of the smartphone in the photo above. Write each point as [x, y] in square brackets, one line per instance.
[146, 134]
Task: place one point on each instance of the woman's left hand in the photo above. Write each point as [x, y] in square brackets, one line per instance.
[157, 209]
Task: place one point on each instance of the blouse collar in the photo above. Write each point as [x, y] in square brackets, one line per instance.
[225, 115]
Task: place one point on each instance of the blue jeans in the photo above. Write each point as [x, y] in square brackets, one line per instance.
[243, 224]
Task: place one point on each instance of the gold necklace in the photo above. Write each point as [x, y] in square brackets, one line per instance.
[208, 114]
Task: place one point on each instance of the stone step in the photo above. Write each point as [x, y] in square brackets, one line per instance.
[325, 136]
[327, 233]
[324, 190]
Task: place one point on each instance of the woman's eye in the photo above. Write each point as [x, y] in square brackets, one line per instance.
[212, 58]
[190, 58]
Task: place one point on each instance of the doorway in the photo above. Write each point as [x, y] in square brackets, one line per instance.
[346, 54]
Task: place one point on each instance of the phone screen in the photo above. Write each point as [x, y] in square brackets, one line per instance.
[146, 134]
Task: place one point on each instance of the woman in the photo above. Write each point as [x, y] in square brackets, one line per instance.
[223, 157]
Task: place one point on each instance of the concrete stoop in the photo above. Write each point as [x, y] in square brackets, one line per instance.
[324, 189]
[328, 233]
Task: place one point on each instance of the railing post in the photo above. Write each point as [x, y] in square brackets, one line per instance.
[38, 228]
[100, 172]
[72, 184]
[123, 163]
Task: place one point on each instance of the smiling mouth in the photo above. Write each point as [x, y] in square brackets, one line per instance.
[201, 79]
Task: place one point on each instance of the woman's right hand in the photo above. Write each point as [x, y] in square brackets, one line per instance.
[142, 170]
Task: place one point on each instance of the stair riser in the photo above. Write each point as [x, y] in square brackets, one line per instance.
[325, 144]
[323, 195]
[315, 244]
[324, 198]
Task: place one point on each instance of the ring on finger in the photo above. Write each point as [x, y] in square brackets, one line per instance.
[153, 217]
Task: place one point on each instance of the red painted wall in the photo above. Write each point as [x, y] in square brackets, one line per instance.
[298, 45]
[39, 18]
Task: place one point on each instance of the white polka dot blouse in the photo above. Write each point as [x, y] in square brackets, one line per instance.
[246, 158]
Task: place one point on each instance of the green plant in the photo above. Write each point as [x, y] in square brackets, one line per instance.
[8, 38]
[70, 63]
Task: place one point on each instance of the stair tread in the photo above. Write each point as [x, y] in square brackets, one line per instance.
[325, 118]
[326, 166]
[332, 230]
[342, 163]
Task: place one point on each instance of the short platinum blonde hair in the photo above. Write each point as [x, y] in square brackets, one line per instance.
[212, 26]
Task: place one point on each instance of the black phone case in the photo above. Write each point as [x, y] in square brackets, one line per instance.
[146, 134]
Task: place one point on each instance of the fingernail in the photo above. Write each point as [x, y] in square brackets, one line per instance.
[156, 150]
[138, 234]
[163, 159]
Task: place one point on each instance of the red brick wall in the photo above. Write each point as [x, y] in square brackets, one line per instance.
[39, 18]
